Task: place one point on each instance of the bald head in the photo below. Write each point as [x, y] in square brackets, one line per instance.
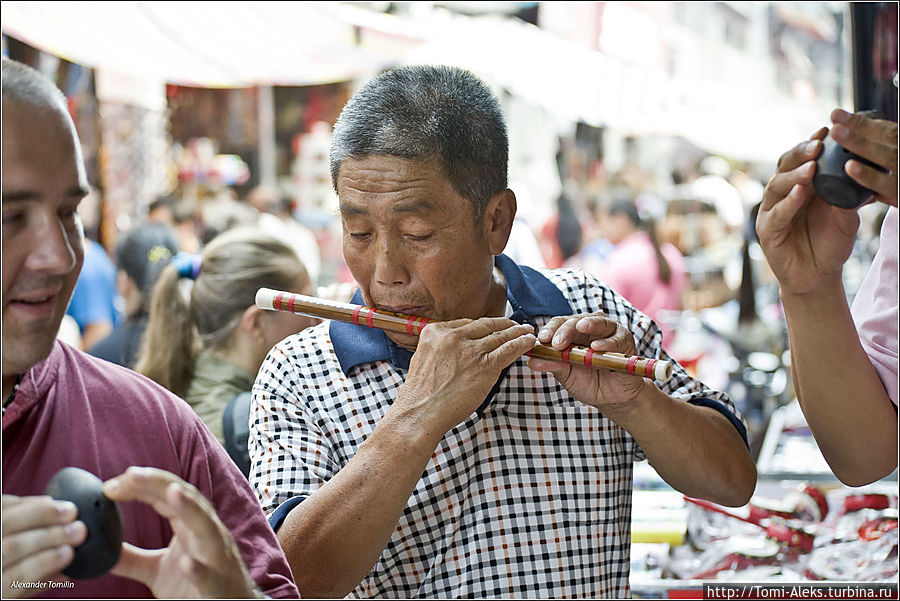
[24, 85]
[43, 180]
[28, 89]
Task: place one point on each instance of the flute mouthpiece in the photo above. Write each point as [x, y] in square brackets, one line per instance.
[265, 298]
[662, 371]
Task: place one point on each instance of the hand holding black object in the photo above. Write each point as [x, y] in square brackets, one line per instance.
[101, 549]
[832, 181]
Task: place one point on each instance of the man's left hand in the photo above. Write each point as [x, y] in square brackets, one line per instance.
[601, 388]
[202, 559]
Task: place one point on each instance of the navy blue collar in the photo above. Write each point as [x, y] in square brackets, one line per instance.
[529, 293]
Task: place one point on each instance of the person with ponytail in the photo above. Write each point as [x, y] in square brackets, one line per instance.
[649, 275]
[206, 346]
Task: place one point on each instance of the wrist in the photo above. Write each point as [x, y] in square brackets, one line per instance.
[408, 426]
[635, 410]
[827, 292]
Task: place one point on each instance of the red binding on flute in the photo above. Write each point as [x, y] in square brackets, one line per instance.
[276, 300]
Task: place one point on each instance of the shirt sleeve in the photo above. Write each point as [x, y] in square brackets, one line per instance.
[212, 471]
[95, 291]
[875, 307]
[290, 457]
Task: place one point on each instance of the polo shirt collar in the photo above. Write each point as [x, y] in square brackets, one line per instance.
[529, 293]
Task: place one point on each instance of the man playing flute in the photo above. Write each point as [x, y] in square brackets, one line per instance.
[449, 465]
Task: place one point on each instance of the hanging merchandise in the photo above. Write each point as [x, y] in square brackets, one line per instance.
[841, 535]
[199, 164]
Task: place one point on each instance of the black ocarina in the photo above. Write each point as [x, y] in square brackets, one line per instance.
[832, 183]
[101, 549]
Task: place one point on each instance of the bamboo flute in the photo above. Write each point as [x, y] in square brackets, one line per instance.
[277, 300]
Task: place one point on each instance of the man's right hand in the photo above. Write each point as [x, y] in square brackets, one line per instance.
[455, 365]
[39, 536]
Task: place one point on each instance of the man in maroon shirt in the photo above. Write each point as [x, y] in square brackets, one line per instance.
[191, 524]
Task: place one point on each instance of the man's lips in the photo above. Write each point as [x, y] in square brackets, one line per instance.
[35, 299]
[403, 309]
[33, 307]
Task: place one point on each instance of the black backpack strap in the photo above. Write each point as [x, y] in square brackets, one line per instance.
[236, 427]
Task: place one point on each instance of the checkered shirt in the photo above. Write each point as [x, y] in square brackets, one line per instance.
[529, 497]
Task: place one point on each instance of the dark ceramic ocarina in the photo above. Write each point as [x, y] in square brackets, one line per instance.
[832, 183]
[100, 550]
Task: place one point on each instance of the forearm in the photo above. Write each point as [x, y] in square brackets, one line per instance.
[694, 449]
[842, 397]
[335, 537]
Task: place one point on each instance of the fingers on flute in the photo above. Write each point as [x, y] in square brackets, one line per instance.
[488, 326]
[614, 338]
[557, 368]
[510, 344]
[564, 331]
[558, 331]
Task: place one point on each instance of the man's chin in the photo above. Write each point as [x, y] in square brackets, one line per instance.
[22, 352]
[403, 340]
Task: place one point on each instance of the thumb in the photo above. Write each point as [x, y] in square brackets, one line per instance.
[559, 370]
[138, 564]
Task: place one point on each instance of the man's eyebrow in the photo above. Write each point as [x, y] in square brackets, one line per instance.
[29, 195]
[18, 196]
[350, 210]
[404, 206]
[420, 205]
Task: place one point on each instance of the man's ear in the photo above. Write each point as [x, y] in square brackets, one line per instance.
[498, 220]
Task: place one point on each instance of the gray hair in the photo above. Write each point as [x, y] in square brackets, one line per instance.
[426, 113]
[27, 86]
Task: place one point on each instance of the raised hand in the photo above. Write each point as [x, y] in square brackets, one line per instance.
[202, 559]
[805, 240]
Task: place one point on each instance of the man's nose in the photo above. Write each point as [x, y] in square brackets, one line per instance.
[390, 263]
[54, 251]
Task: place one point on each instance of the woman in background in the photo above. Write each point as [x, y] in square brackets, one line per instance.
[208, 348]
[651, 276]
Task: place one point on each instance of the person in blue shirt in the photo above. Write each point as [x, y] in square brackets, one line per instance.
[93, 304]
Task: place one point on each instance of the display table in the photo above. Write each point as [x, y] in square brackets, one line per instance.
[801, 526]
